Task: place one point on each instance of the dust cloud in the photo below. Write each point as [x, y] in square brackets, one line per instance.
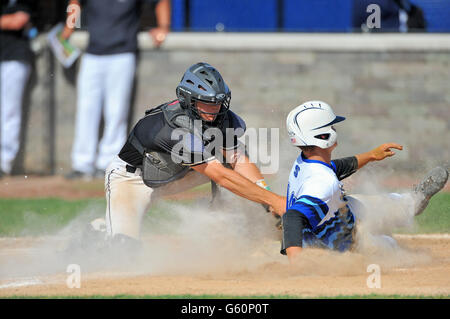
[235, 238]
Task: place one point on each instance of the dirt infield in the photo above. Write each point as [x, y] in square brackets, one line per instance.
[421, 267]
[219, 253]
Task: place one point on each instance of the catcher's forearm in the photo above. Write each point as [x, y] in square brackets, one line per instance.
[240, 185]
[248, 170]
[243, 187]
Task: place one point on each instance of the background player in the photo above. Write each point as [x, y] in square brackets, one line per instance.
[318, 213]
[105, 79]
[16, 60]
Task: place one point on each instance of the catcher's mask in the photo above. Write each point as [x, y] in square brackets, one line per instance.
[202, 82]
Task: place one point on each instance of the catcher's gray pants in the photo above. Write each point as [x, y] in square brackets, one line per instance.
[128, 198]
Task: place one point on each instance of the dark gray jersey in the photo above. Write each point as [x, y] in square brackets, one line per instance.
[186, 147]
[113, 25]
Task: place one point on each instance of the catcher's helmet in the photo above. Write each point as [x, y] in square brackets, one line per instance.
[310, 124]
[202, 82]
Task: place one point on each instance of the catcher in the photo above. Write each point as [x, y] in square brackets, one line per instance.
[318, 213]
[179, 145]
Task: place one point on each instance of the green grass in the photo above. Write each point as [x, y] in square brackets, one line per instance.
[46, 216]
[33, 217]
[370, 296]
[436, 217]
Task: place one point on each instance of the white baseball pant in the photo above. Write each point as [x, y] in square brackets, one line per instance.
[128, 198]
[378, 216]
[108, 80]
[14, 78]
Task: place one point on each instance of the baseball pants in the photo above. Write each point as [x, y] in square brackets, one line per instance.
[14, 78]
[102, 80]
[128, 198]
[378, 216]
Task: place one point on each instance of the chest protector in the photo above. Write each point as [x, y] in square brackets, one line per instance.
[158, 168]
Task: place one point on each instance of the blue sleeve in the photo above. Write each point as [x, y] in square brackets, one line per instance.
[314, 209]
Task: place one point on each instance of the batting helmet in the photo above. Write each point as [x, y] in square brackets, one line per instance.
[310, 124]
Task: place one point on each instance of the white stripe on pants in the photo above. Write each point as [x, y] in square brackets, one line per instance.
[127, 200]
[108, 80]
[14, 77]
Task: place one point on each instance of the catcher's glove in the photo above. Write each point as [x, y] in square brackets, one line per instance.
[268, 210]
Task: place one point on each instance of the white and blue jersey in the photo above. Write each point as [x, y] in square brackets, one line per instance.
[315, 192]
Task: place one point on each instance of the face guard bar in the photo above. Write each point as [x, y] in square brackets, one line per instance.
[221, 99]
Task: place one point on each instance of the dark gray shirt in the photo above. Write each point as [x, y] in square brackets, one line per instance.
[112, 25]
[15, 45]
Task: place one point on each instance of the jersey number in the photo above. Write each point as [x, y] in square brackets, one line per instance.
[297, 169]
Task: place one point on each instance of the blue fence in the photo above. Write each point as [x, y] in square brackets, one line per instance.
[437, 14]
[318, 15]
[287, 15]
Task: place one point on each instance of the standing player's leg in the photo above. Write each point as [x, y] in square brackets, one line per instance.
[14, 77]
[89, 105]
[118, 85]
